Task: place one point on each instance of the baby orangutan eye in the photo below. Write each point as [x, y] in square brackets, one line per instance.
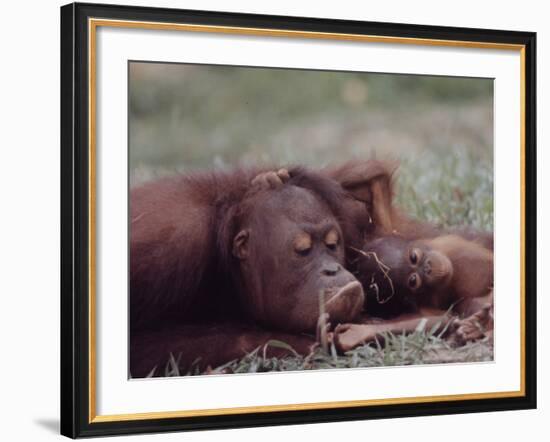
[414, 281]
[413, 256]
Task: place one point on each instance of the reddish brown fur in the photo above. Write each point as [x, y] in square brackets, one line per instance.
[188, 266]
[472, 276]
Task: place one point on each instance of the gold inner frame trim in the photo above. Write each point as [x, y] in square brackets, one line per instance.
[93, 24]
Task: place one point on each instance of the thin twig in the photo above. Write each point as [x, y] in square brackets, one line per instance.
[385, 272]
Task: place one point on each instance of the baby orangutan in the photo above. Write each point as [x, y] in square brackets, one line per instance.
[410, 280]
[437, 273]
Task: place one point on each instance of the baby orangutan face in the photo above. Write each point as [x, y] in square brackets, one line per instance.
[392, 265]
[427, 268]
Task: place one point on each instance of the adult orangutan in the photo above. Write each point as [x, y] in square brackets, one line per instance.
[222, 262]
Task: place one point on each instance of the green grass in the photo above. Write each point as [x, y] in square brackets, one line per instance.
[420, 347]
[450, 190]
[185, 117]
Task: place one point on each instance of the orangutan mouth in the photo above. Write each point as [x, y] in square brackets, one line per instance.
[346, 302]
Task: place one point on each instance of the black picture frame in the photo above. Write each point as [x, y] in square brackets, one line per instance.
[76, 418]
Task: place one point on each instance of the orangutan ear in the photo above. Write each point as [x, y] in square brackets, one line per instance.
[240, 244]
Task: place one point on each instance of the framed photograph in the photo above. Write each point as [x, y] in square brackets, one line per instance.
[274, 220]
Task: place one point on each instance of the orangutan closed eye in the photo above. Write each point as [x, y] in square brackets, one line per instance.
[398, 274]
[332, 239]
[302, 243]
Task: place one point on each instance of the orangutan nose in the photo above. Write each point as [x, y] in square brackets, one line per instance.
[331, 269]
[428, 267]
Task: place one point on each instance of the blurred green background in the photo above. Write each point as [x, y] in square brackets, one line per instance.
[188, 117]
